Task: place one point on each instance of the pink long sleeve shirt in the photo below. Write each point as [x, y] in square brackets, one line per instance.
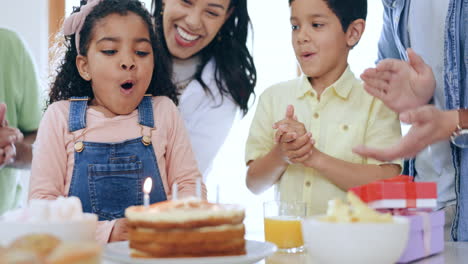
[53, 152]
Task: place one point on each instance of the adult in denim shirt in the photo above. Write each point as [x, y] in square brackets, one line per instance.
[436, 29]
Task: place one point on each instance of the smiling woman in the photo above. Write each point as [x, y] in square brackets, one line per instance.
[190, 27]
[212, 68]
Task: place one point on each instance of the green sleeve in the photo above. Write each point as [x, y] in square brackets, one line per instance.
[28, 101]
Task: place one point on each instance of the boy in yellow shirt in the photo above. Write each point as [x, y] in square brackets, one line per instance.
[307, 152]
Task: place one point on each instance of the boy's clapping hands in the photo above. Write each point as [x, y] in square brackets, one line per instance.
[296, 144]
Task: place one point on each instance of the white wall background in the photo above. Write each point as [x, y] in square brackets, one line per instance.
[29, 18]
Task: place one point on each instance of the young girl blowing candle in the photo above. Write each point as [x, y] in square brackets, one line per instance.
[107, 127]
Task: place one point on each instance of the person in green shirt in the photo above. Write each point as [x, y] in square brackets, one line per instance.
[19, 90]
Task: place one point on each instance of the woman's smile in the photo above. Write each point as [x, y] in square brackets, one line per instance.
[184, 38]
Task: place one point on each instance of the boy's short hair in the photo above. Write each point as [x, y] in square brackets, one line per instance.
[346, 10]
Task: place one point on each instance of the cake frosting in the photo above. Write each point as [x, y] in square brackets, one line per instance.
[182, 211]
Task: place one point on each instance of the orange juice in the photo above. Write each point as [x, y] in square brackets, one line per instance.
[284, 231]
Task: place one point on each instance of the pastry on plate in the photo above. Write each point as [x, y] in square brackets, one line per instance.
[76, 253]
[19, 256]
[40, 244]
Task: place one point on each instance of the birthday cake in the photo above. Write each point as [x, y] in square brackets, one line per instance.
[186, 228]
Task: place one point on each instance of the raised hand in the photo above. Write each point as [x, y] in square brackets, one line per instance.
[8, 137]
[399, 84]
[429, 125]
[289, 128]
[7, 155]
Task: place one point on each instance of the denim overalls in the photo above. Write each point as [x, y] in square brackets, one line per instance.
[108, 177]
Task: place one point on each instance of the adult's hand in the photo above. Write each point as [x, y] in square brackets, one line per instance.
[429, 125]
[8, 137]
[7, 155]
[399, 84]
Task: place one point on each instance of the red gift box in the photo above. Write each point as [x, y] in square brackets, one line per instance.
[398, 192]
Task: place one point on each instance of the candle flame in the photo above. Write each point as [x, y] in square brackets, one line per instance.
[147, 185]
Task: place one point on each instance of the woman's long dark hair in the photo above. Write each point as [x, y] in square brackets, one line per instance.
[235, 72]
[68, 82]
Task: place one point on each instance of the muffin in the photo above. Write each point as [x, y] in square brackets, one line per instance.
[19, 256]
[40, 244]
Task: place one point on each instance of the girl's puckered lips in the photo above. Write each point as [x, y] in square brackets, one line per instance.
[127, 85]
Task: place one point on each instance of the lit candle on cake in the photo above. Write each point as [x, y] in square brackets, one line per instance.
[146, 190]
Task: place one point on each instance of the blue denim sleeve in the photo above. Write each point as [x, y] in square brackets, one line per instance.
[387, 43]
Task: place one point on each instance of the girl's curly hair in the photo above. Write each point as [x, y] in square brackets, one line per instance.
[68, 82]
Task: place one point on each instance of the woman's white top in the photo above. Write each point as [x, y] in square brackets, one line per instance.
[208, 117]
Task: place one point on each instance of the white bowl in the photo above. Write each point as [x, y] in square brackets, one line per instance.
[67, 230]
[350, 243]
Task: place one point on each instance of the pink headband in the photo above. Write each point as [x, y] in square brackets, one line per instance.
[74, 23]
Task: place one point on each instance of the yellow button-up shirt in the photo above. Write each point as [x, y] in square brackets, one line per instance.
[344, 117]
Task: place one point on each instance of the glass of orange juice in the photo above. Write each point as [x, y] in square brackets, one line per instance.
[282, 224]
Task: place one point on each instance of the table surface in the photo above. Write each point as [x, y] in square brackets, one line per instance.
[454, 253]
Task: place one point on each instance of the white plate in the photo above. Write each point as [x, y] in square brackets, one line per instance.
[256, 251]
